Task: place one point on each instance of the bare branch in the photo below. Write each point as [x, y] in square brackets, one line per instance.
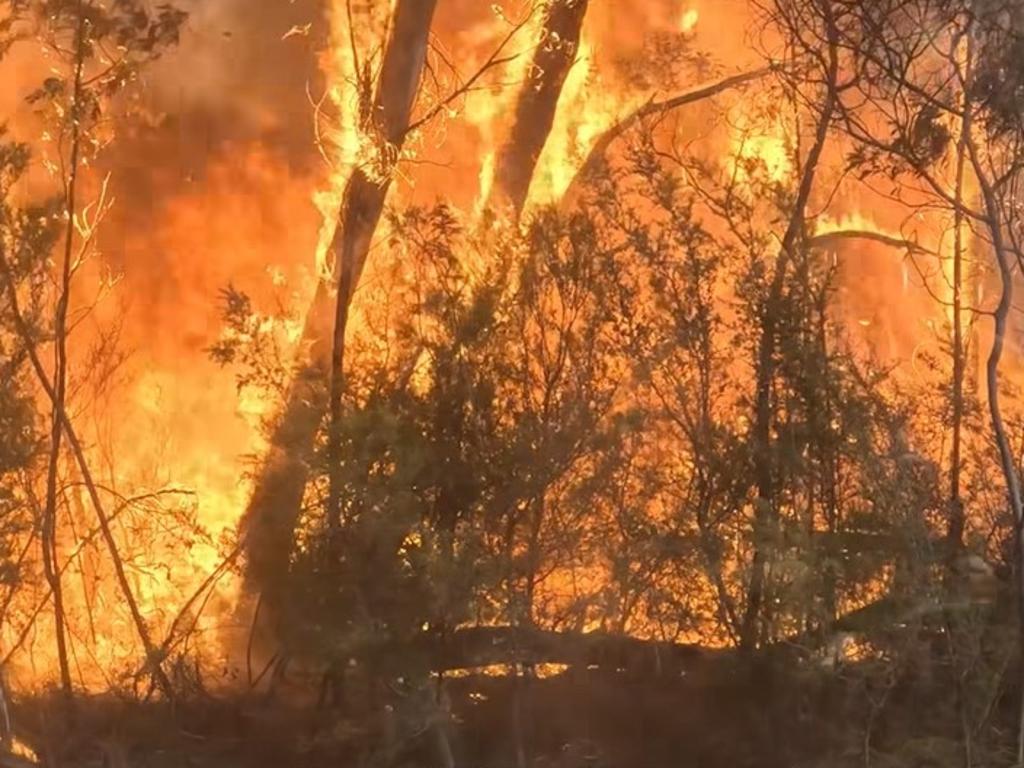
[652, 108]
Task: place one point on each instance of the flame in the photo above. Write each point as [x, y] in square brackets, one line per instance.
[486, 181]
[488, 110]
[762, 143]
[688, 21]
[166, 427]
[558, 161]
[173, 424]
[340, 142]
[589, 106]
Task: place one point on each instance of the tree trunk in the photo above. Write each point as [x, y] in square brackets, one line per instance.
[955, 531]
[273, 512]
[269, 522]
[538, 102]
[154, 655]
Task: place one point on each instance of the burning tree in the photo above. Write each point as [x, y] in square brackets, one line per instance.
[766, 484]
[629, 424]
[72, 100]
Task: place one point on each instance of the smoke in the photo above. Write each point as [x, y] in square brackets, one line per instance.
[212, 173]
[225, 115]
[242, 75]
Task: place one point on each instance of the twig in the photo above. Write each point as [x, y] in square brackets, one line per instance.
[494, 60]
[153, 658]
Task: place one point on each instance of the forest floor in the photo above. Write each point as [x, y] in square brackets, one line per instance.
[766, 715]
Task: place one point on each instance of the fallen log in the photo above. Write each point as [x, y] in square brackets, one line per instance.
[476, 647]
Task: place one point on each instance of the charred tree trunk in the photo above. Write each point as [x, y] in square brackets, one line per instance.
[363, 202]
[277, 495]
[538, 101]
[274, 508]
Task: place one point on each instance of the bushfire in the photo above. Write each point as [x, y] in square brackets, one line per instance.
[424, 370]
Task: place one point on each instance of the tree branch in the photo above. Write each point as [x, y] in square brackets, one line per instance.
[613, 134]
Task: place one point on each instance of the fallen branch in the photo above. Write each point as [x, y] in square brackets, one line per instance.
[474, 647]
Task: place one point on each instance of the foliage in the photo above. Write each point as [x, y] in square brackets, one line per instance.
[94, 50]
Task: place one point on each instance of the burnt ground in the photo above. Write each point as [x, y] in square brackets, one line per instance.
[770, 713]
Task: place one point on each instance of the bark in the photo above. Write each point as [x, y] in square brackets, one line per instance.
[269, 523]
[538, 102]
[764, 474]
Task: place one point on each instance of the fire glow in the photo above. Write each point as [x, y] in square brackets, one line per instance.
[170, 433]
